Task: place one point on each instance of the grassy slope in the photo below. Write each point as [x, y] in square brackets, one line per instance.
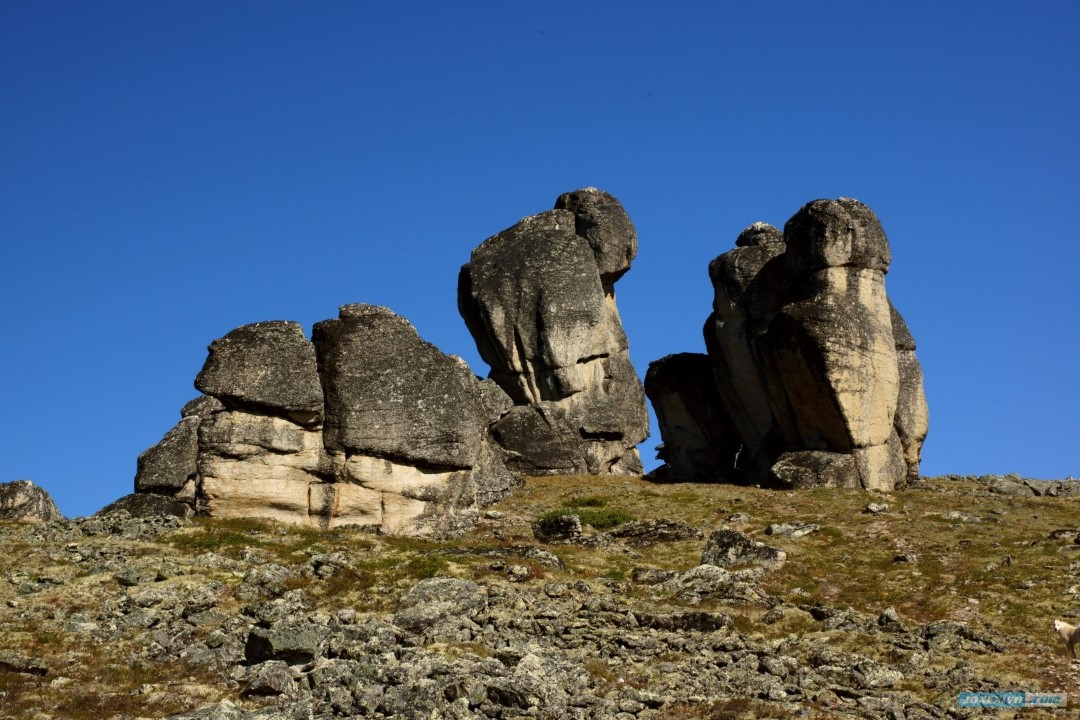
[1004, 572]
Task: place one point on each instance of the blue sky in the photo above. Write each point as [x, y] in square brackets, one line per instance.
[170, 170]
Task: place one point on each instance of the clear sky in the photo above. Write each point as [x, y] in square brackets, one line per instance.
[170, 170]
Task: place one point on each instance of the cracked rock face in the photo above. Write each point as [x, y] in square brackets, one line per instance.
[368, 425]
[814, 367]
[539, 301]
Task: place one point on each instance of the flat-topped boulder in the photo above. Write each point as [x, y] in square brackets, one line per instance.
[391, 394]
[267, 367]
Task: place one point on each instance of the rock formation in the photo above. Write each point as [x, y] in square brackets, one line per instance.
[23, 501]
[699, 442]
[815, 370]
[367, 425]
[539, 300]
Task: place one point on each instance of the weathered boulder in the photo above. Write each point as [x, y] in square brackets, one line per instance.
[391, 394]
[268, 367]
[730, 548]
[23, 501]
[912, 420]
[812, 364]
[700, 444]
[539, 301]
[168, 468]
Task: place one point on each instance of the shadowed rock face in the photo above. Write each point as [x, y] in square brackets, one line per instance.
[399, 441]
[539, 300]
[812, 363]
[699, 442]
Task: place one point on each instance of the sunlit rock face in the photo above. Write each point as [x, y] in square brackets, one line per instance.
[814, 367]
[23, 501]
[368, 425]
[539, 301]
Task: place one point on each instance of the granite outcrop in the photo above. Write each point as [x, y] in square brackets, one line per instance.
[814, 370]
[539, 299]
[365, 424]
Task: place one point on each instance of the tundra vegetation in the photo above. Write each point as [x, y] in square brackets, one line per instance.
[116, 617]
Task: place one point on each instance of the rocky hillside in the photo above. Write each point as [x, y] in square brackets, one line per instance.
[819, 603]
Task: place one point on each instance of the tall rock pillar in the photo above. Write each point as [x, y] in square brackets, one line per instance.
[539, 300]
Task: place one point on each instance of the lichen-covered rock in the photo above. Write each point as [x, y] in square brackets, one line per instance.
[266, 366]
[912, 420]
[539, 301]
[399, 442]
[391, 394]
[23, 501]
[728, 548]
[747, 284]
[830, 349]
[167, 467]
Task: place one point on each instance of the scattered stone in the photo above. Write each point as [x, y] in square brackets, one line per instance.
[16, 663]
[906, 558]
[437, 602]
[729, 548]
[650, 532]
[651, 576]
[270, 678]
[793, 529]
[890, 622]
[960, 516]
[294, 644]
[144, 505]
[876, 508]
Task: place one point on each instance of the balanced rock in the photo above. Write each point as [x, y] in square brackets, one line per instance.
[266, 366]
[813, 366]
[539, 301]
[23, 501]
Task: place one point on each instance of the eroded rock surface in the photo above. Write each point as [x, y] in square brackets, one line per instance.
[539, 300]
[368, 425]
[813, 365]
